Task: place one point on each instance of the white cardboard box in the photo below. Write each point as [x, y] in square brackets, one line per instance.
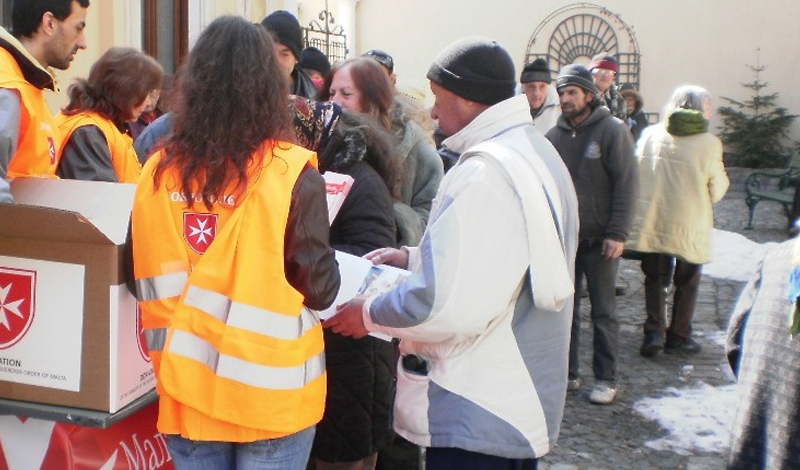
[69, 328]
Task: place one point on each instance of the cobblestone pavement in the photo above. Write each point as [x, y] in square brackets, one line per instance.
[613, 437]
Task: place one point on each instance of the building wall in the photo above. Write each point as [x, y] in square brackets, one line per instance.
[119, 23]
[706, 42]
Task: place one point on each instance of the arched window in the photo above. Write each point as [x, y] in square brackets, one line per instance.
[575, 33]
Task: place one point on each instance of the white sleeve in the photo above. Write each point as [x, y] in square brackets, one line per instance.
[469, 264]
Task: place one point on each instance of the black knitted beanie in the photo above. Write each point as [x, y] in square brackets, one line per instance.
[476, 69]
[536, 71]
[577, 75]
[286, 30]
[314, 59]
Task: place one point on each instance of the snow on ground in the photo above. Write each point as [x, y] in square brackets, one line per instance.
[695, 418]
[734, 256]
[718, 337]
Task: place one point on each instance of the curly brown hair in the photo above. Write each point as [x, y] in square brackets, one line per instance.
[119, 81]
[231, 100]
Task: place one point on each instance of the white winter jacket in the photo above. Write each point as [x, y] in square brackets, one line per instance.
[484, 320]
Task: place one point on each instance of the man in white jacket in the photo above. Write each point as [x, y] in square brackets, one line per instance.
[484, 318]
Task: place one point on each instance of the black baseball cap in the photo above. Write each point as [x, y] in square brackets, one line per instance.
[382, 58]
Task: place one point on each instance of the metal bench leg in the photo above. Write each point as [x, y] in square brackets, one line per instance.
[787, 209]
[751, 203]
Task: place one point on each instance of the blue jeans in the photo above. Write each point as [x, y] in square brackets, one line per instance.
[601, 277]
[285, 453]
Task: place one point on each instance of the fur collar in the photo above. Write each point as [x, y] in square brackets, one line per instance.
[347, 145]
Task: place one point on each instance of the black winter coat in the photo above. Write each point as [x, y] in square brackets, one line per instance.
[357, 420]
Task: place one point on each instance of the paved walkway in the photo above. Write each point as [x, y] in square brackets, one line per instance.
[614, 437]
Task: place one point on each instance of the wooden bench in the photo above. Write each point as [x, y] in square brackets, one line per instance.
[776, 187]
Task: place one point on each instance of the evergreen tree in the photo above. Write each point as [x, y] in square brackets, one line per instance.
[755, 129]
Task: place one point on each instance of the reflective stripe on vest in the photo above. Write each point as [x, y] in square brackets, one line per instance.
[248, 373]
[250, 318]
[161, 287]
[156, 339]
[235, 352]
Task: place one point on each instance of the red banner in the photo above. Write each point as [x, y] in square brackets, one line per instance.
[132, 444]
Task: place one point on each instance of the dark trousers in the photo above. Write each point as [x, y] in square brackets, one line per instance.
[601, 277]
[656, 269]
[451, 458]
[794, 213]
[399, 454]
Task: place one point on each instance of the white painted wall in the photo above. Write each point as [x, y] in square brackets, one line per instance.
[704, 42]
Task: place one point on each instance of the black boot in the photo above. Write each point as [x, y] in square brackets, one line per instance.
[676, 345]
[652, 344]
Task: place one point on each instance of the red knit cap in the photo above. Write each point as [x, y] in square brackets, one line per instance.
[604, 60]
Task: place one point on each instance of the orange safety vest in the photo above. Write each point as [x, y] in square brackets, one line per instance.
[37, 147]
[237, 356]
[123, 156]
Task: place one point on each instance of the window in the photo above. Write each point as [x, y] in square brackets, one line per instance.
[166, 31]
[5, 15]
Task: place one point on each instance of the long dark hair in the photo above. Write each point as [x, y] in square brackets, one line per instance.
[372, 82]
[231, 100]
[119, 81]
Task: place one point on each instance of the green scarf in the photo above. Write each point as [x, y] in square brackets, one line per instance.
[686, 122]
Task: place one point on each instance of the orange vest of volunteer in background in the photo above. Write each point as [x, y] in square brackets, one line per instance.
[237, 356]
[123, 156]
[37, 147]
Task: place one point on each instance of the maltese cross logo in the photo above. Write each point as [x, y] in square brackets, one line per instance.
[17, 294]
[199, 230]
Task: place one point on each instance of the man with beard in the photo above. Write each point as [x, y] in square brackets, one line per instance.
[598, 151]
[46, 35]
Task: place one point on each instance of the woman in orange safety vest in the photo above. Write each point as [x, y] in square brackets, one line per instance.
[94, 125]
[231, 251]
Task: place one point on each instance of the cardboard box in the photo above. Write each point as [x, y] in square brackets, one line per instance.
[69, 328]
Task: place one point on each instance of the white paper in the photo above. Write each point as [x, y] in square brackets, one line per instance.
[360, 277]
[337, 185]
